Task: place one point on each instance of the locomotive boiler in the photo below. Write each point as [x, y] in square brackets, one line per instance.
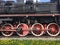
[35, 18]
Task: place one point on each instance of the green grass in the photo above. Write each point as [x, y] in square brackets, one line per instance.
[29, 42]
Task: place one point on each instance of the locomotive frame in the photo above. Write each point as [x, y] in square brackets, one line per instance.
[30, 28]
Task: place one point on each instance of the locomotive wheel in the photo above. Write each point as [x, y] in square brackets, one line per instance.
[53, 29]
[22, 29]
[37, 29]
[7, 27]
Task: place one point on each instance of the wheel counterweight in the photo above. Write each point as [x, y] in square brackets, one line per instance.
[22, 29]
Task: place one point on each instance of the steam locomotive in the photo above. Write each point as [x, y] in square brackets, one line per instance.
[30, 18]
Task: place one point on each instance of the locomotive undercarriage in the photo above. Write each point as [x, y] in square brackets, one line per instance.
[24, 25]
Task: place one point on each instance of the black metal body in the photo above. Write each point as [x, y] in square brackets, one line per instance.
[29, 8]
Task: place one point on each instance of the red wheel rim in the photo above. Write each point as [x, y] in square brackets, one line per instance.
[7, 27]
[37, 29]
[24, 30]
[53, 29]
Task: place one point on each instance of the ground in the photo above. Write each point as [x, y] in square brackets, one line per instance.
[16, 40]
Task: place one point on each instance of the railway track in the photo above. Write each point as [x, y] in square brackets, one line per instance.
[29, 37]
